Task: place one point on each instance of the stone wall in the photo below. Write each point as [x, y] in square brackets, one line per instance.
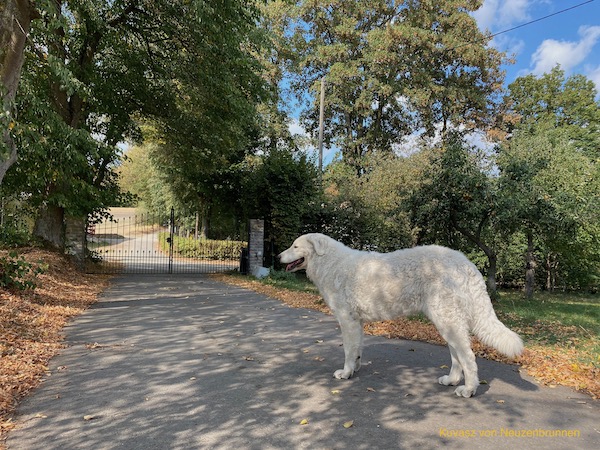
[75, 238]
[256, 243]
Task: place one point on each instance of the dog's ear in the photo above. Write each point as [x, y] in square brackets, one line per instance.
[319, 243]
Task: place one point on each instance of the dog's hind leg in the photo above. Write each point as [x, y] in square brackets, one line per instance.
[352, 336]
[462, 358]
[461, 343]
[455, 375]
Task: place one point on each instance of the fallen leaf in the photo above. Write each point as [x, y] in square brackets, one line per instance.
[319, 341]
[319, 358]
[41, 416]
[370, 389]
[443, 366]
[93, 346]
[483, 382]
[547, 365]
[90, 417]
[335, 392]
[248, 358]
[348, 424]
[304, 422]
[499, 401]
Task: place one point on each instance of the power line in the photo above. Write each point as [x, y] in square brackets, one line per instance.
[523, 24]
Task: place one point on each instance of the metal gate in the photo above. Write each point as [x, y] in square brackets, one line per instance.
[134, 242]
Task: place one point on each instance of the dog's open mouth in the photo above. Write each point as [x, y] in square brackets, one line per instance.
[291, 266]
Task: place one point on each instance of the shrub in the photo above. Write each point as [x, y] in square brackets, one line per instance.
[18, 274]
[203, 248]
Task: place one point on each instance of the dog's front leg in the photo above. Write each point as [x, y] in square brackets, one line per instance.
[352, 336]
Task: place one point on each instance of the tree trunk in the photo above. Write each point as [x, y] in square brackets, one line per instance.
[530, 265]
[551, 266]
[15, 19]
[204, 227]
[491, 275]
[50, 226]
[491, 256]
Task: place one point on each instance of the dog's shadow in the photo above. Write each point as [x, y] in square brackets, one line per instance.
[412, 362]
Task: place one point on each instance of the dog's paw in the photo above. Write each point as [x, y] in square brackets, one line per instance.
[342, 374]
[463, 391]
[447, 381]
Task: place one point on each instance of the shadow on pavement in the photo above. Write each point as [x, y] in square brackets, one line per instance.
[185, 363]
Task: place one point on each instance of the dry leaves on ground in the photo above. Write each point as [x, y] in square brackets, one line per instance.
[550, 365]
[31, 324]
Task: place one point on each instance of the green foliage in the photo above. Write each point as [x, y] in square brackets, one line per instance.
[569, 104]
[213, 120]
[94, 70]
[392, 68]
[369, 211]
[549, 189]
[295, 281]
[18, 274]
[457, 196]
[283, 189]
[203, 248]
[15, 224]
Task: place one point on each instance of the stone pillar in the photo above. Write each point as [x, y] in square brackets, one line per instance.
[75, 238]
[256, 244]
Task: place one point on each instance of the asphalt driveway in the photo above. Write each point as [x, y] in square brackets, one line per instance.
[184, 362]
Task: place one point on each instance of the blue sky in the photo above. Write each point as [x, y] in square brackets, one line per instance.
[571, 38]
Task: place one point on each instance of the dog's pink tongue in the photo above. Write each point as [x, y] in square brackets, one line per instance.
[293, 264]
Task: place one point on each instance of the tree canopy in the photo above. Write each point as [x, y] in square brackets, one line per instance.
[95, 69]
[392, 69]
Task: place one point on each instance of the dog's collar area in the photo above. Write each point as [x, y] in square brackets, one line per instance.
[291, 266]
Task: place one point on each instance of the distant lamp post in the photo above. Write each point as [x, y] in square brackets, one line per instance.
[321, 126]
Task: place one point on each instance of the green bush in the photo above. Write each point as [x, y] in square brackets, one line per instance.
[18, 274]
[203, 248]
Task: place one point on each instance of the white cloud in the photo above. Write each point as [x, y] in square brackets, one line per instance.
[509, 44]
[296, 128]
[496, 14]
[594, 75]
[566, 53]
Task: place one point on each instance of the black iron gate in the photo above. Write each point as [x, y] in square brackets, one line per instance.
[134, 242]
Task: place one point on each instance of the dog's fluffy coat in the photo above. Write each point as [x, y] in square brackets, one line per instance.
[437, 281]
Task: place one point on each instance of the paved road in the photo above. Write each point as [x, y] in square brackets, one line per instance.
[184, 362]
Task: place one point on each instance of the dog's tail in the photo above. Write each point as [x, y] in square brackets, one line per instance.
[483, 320]
[495, 334]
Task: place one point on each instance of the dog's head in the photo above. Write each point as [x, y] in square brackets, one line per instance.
[306, 247]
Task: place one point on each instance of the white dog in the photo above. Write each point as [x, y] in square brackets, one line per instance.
[437, 281]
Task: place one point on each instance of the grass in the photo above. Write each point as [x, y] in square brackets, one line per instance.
[561, 331]
[291, 281]
[555, 320]
[565, 309]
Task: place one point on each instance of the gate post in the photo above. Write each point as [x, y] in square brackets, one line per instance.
[75, 238]
[256, 244]
[170, 239]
